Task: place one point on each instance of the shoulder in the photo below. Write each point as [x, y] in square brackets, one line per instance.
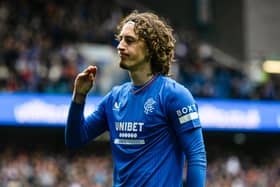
[118, 91]
[121, 88]
[174, 90]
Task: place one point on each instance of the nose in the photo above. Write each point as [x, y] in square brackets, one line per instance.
[120, 46]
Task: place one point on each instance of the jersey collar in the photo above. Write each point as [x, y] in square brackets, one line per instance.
[137, 89]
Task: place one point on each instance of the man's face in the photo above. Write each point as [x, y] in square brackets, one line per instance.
[131, 49]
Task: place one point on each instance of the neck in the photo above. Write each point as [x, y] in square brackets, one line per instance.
[140, 78]
[140, 74]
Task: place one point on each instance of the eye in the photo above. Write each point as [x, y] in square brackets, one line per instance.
[130, 40]
[127, 39]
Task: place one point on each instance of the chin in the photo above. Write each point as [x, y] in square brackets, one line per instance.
[123, 65]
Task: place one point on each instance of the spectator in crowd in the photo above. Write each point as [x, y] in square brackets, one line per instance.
[37, 38]
[32, 167]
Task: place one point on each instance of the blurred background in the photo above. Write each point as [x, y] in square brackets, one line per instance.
[227, 55]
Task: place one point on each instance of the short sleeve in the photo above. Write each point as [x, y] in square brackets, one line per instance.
[181, 108]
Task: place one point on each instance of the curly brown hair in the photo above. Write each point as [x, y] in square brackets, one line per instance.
[158, 37]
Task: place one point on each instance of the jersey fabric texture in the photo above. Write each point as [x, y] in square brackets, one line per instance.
[151, 128]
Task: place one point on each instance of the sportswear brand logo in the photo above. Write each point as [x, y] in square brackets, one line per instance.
[116, 106]
[149, 106]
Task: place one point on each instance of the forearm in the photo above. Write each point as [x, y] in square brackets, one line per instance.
[74, 131]
[196, 171]
[194, 149]
[79, 98]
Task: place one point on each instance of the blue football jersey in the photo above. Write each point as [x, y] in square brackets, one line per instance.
[151, 130]
[144, 125]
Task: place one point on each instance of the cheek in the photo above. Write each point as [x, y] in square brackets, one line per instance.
[142, 53]
[136, 54]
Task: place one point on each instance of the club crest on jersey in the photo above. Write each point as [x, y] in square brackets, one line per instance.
[149, 106]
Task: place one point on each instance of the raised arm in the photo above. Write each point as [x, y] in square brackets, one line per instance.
[80, 130]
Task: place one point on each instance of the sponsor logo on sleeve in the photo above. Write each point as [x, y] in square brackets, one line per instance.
[187, 113]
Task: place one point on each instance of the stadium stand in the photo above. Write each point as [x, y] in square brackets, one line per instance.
[39, 51]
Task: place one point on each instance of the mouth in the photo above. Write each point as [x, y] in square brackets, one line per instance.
[123, 55]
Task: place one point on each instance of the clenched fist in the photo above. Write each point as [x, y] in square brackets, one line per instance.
[83, 83]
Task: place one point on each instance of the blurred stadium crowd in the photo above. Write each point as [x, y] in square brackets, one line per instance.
[49, 168]
[38, 54]
[38, 50]
[22, 168]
